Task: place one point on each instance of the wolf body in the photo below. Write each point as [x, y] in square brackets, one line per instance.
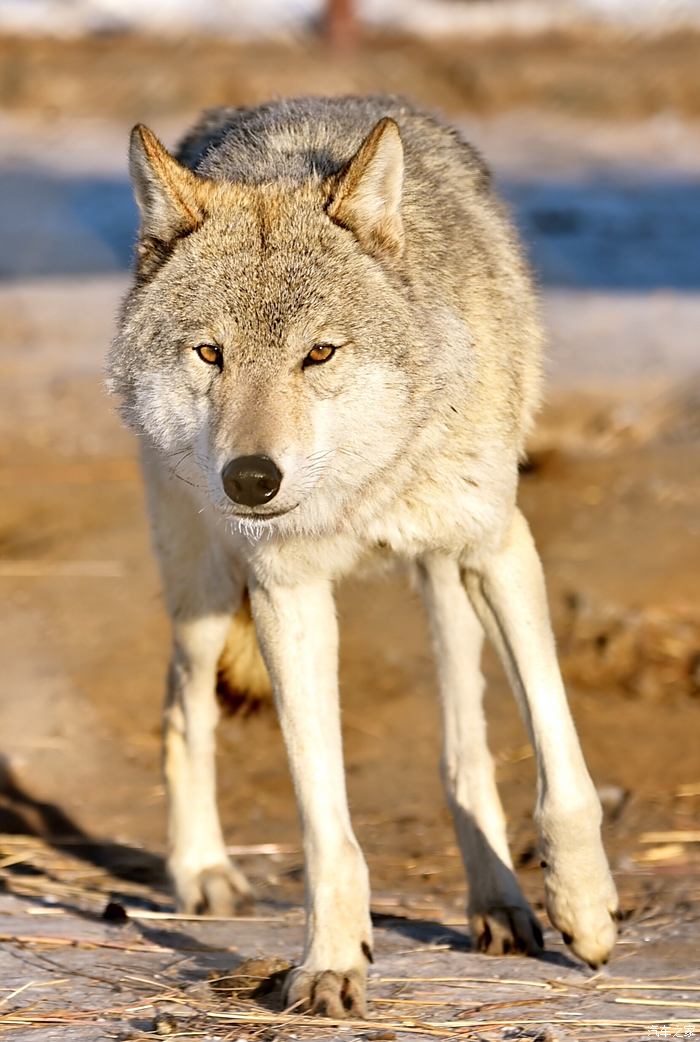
[333, 354]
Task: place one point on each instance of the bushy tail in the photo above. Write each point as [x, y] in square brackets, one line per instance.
[243, 685]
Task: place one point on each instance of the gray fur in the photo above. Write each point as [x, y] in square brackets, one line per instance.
[365, 224]
[456, 317]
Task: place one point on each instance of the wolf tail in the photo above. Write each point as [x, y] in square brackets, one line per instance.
[243, 685]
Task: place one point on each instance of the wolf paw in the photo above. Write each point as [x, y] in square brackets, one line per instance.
[586, 916]
[220, 890]
[506, 930]
[327, 994]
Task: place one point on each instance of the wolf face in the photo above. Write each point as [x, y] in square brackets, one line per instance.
[266, 320]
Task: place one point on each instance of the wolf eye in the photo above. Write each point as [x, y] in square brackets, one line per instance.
[318, 354]
[211, 354]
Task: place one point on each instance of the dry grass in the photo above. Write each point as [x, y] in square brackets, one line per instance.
[431, 1005]
[589, 73]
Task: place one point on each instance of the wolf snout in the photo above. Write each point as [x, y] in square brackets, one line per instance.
[251, 480]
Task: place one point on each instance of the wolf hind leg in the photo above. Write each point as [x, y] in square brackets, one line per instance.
[501, 919]
[508, 592]
[202, 592]
[206, 881]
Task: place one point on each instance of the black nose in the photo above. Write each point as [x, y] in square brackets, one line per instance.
[251, 480]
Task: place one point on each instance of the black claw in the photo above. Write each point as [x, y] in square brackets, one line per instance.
[567, 938]
[115, 913]
[367, 952]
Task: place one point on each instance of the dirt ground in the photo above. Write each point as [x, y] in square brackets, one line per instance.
[612, 493]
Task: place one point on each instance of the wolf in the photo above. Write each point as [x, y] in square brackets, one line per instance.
[332, 353]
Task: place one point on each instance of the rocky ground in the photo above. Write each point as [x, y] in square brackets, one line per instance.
[612, 216]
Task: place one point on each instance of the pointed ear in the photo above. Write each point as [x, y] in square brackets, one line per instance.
[366, 195]
[169, 196]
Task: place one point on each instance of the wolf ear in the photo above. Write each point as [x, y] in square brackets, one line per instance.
[366, 196]
[169, 196]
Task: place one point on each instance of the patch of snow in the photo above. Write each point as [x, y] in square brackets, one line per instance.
[423, 17]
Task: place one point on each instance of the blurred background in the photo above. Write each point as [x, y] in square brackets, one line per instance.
[589, 113]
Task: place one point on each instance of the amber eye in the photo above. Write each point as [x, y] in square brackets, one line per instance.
[318, 354]
[211, 354]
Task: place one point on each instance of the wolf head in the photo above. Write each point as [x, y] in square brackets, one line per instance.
[266, 346]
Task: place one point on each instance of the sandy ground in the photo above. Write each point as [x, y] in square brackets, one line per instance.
[612, 216]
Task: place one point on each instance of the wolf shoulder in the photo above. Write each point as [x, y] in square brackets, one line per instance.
[300, 138]
[455, 224]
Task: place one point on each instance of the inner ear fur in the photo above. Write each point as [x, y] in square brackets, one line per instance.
[170, 197]
[366, 196]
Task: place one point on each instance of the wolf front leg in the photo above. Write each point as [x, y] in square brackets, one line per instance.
[500, 917]
[508, 592]
[298, 636]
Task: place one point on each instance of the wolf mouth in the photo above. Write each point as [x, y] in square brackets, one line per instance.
[270, 515]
